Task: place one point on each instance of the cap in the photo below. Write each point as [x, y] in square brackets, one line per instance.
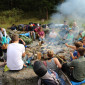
[39, 68]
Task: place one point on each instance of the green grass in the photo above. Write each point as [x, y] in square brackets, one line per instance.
[23, 21]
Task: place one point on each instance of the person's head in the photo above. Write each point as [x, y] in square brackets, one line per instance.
[65, 22]
[39, 68]
[50, 54]
[81, 51]
[15, 38]
[78, 44]
[1, 29]
[74, 24]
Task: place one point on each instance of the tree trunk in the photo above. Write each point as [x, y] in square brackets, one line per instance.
[47, 13]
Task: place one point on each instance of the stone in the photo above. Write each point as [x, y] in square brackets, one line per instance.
[23, 77]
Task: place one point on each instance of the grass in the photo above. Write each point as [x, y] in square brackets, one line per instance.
[23, 21]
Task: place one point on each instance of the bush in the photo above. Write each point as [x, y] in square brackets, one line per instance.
[11, 16]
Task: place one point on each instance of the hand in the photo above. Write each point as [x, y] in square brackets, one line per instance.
[25, 66]
[66, 44]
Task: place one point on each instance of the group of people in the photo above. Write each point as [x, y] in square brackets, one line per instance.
[17, 58]
[75, 69]
[32, 29]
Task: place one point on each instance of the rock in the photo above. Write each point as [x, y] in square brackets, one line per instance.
[1, 72]
[23, 77]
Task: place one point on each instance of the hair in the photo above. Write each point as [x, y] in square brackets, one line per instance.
[81, 51]
[50, 53]
[65, 21]
[78, 44]
[15, 37]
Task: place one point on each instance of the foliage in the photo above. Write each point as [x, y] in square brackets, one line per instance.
[39, 8]
[12, 16]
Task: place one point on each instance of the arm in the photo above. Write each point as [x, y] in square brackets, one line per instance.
[22, 41]
[70, 46]
[73, 57]
[23, 51]
[57, 62]
[43, 35]
[23, 54]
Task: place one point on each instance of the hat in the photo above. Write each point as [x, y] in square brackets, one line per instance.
[39, 68]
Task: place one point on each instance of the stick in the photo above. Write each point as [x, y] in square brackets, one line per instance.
[60, 58]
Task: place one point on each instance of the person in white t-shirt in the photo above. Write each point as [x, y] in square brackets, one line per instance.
[52, 36]
[15, 51]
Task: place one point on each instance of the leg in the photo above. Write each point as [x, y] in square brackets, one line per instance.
[29, 35]
[34, 35]
[40, 39]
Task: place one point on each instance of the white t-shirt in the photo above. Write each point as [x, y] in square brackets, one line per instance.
[14, 56]
[53, 34]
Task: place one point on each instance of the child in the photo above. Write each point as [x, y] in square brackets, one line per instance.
[74, 55]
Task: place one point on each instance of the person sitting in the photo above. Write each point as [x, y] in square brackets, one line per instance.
[69, 37]
[53, 34]
[75, 28]
[74, 55]
[4, 48]
[52, 63]
[52, 37]
[41, 34]
[64, 29]
[77, 74]
[31, 30]
[2, 32]
[46, 77]
[15, 51]
[13, 27]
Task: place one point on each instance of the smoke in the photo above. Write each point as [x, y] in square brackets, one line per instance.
[71, 10]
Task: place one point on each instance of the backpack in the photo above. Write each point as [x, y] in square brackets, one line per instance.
[49, 79]
[46, 77]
